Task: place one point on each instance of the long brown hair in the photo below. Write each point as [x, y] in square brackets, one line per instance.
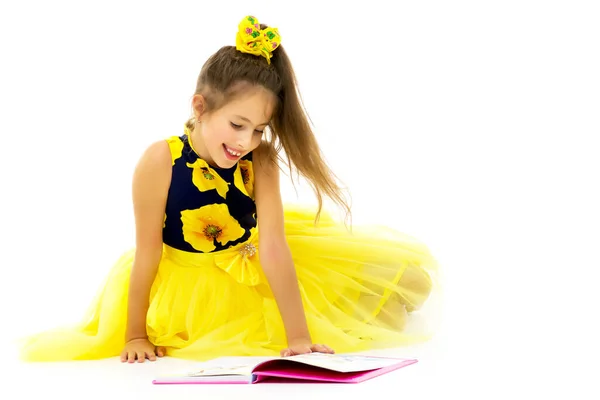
[291, 131]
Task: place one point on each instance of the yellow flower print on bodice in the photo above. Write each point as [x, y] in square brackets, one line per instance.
[208, 208]
[209, 224]
[206, 178]
[244, 178]
[176, 147]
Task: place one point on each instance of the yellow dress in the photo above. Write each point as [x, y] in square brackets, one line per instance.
[210, 297]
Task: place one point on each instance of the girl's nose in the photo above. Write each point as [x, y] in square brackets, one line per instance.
[245, 139]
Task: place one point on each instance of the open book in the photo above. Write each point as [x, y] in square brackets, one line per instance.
[312, 367]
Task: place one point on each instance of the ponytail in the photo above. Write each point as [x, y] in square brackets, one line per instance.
[294, 135]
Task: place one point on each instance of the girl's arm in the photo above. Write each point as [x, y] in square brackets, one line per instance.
[151, 182]
[275, 255]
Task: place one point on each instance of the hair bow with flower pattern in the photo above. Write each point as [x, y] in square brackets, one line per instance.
[253, 40]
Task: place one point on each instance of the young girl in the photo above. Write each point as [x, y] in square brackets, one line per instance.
[220, 267]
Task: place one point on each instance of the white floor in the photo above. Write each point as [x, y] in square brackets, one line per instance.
[111, 379]
[470, 358]
[437, 375]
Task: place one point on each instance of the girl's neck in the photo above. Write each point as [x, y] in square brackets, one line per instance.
[197, 145]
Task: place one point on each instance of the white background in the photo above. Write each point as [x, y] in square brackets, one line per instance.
[470, 125]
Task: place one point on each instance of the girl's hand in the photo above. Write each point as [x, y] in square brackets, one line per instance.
[305, 347]
[140, 349]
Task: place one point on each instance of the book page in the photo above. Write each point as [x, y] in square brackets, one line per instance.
[345, 363]
[226, 366]
[242, 370]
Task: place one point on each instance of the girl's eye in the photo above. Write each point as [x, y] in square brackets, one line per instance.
[236, 126]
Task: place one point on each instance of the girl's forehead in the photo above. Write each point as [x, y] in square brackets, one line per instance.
[256, 106]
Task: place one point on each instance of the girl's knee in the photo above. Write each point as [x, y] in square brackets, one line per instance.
[417, 285]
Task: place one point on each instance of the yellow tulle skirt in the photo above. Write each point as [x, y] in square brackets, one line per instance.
[358, 290]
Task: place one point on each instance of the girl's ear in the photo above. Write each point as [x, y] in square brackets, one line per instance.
[199, 106]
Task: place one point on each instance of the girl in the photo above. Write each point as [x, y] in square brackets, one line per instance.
[220, 267]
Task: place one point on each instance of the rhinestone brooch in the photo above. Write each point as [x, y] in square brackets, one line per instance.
[248, 250]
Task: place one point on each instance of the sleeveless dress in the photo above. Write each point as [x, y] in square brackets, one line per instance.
[210, 297]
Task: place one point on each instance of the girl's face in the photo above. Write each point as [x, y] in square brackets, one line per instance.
[224, 136]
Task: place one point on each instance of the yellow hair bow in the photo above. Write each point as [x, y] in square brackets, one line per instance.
[253, 40]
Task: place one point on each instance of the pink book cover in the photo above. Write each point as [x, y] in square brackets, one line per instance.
[313, 368]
